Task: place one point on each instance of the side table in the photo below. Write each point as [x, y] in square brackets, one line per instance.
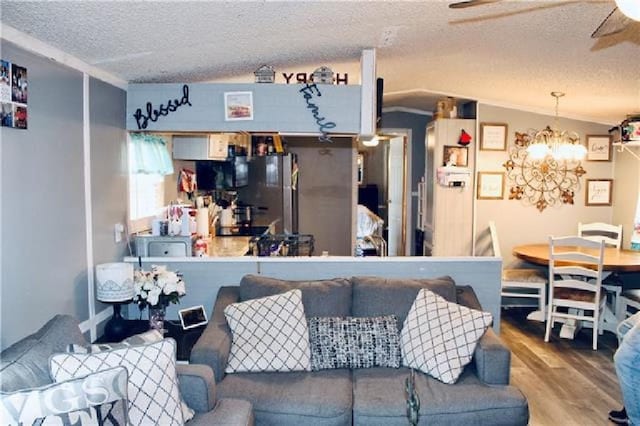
[185, 339]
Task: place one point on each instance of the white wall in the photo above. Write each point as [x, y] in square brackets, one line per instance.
[47, 254]
[521, 223]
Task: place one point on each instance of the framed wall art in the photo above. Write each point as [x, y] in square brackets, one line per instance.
[238, 106]
[493, 136]
[453, 155]
[598, 147]
[490, 185]
[599, 192]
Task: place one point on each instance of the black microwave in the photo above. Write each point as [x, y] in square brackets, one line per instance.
[230, 174]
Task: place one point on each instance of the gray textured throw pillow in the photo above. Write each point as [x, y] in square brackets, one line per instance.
[352, 342]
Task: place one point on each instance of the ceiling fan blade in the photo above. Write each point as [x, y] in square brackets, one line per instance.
[470, 3]
[614, 23]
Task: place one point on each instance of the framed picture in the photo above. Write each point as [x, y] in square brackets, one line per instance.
[455, 156]
[238, 106]
[490, 185]
[598, 147]
[599, 192]
[493, 136]
[192, 317]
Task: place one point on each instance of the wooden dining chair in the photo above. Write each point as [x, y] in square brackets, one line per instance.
[629, 299]
[575, 283]
[612, 236]
[522, 286]
[598, 231]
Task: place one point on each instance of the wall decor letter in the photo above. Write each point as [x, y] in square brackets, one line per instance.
[142, 119]
[308, 92]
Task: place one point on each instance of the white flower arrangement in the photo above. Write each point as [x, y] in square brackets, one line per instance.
[158, 287]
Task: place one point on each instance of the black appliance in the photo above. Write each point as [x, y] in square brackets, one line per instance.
[212, 175]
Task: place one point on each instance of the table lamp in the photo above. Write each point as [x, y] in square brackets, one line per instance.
[114, 284]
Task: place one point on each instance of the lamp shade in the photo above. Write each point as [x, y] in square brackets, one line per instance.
[114, 282]
[630, 8]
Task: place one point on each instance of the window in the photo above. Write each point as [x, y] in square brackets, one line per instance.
[149, 163]
[146, 198]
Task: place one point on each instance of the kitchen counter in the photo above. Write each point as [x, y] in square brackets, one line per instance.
[228, 246]
[242, 231]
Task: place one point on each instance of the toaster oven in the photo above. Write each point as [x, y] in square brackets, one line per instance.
[163, 246]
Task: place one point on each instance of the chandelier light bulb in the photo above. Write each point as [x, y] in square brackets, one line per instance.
[630, 8]
[537, 151]
[561, 145]
[374, 141]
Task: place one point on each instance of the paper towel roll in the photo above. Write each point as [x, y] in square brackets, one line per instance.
[202, 222]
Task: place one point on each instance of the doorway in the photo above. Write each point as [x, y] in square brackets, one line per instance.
[396, 199]
[385, 180]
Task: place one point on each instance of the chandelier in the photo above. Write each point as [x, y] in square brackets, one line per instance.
[561, 145]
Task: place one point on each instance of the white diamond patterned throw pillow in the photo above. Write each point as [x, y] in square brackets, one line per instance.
[153, 385]
[269, 334]
[439, 337]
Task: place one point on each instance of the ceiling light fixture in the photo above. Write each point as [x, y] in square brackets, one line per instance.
[630, 8]
[561, 145]
[374, 141]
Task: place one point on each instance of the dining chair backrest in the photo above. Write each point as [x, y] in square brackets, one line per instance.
[611, 234]
[495, 243]
[578, 260]
[578, 263]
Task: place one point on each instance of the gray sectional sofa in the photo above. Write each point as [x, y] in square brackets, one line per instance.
[25, 365]
[373, 396]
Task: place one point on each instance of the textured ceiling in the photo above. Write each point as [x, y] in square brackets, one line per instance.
[511, 53]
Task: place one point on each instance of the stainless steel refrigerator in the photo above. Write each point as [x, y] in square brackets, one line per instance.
[271, 193]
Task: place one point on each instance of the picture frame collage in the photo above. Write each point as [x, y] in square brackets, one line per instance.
[13, 95]
[491, 184]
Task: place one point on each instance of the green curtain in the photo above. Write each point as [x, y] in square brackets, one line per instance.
[150, 155]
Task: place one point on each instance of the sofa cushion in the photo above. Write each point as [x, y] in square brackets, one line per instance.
[269, 334]
[379, 399]
[439, 337]
[99, 398]
[153, 383]
[25, 364]
[320, 398]
[149, 336]
[354, 342]
[321, 298]
[227, 412]
[374, 296]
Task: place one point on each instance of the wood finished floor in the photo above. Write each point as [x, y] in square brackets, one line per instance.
[565, 381]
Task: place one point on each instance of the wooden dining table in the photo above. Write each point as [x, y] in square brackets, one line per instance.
[615, 260]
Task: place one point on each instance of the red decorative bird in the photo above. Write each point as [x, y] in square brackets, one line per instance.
[465, 138]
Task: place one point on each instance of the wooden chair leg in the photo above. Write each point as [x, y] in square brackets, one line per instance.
[549, 322]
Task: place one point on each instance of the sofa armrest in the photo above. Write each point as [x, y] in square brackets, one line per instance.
[197, 386]
[492, 358]
[213, 346]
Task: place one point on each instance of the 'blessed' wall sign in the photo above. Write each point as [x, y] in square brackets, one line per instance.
[153, 114]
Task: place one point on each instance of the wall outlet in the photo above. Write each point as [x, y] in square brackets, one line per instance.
[118, 229]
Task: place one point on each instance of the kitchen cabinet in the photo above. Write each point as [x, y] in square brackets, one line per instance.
[191, 147]
[447, 210]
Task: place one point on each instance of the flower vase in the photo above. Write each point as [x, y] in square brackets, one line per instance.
[156, 318]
